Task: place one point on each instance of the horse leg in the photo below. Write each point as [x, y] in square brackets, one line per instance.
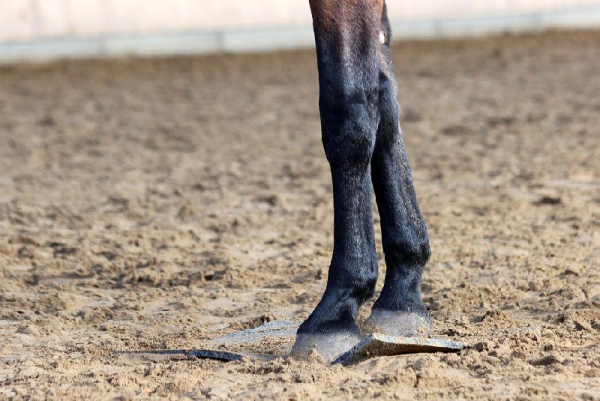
[348, 51]
[399, 311]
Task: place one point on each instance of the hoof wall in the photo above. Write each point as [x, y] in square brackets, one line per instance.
[328, 346]
[398, 324]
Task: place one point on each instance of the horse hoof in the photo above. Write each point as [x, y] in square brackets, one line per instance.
[329, 346]
[398, 323]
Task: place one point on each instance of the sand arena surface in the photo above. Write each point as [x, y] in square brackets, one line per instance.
[163, 203]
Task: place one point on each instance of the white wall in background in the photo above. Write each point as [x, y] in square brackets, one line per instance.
[55, 28]
[22, 20]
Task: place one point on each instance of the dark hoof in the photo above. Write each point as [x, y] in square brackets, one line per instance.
[329, 346]
[398, 324]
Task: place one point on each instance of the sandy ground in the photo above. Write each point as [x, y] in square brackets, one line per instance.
[164, 203]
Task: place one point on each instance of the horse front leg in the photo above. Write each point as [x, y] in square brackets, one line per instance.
[347, 39]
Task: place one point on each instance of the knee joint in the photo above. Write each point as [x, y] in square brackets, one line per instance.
[413, 251]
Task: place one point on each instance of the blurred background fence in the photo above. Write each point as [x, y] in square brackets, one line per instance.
[49, 29]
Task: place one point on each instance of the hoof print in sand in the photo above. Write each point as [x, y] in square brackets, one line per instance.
[222, 356]
[374, 345]
[381, 345]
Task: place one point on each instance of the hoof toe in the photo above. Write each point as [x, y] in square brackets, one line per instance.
[398, 324]
[329, 346]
